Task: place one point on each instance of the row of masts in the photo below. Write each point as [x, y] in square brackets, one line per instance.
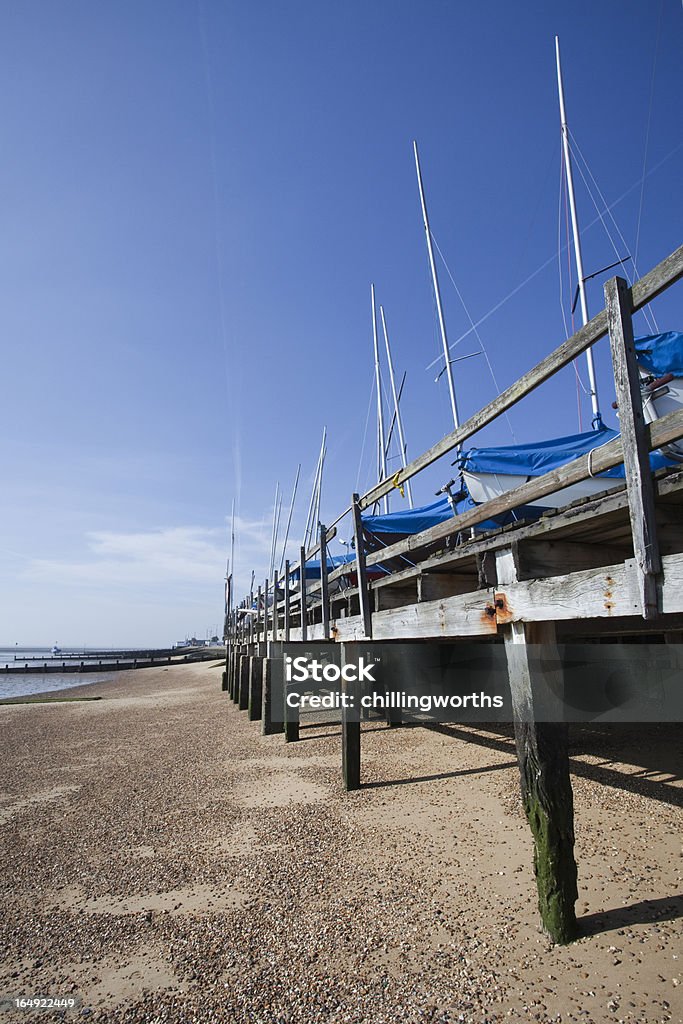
[383, 436]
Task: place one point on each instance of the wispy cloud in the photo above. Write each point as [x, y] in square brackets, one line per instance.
[173, 555]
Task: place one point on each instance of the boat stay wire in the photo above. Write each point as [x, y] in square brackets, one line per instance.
[551, 259]
[473, 327]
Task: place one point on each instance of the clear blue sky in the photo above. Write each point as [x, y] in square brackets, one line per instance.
[196, 196]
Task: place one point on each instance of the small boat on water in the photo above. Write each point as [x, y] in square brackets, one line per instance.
[55, 649]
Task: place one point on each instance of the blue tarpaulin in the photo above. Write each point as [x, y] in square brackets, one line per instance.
[661, 353]
[313, 566]
[542, 456]
[415, 520]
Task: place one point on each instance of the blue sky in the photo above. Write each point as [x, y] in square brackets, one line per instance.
[196, 197]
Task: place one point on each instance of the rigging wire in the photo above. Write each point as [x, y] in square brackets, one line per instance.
[551, 259]
[474, 328]
[365, 432]
[648, 314]
[647, 132]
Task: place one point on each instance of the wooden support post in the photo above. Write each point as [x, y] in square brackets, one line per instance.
[544, 766]
[302, 582]
[265, 613]
[363, 590]
[639, 485]
[350, 731]
[255, 688]
[235, 673]
[291, 717]
[226, 672]
[268, 726]
[243, 692]
[287, 624]
[324, 586]
[275, 622]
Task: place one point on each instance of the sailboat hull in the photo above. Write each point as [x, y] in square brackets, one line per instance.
[485, 486]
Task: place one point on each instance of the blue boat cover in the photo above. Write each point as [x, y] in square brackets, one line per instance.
[661, 353]
[543, 456]
[415, 520]
[313, 566]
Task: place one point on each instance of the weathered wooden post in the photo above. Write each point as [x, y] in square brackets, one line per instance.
[350, 725]
[302, 586]
[639, 486]
[324, 586]
[543, 756]
[270, 690]
[363, 591]
[243, 692]
[287, 623]
[255, 694]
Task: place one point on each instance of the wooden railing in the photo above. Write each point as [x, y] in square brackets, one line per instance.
[632, 448]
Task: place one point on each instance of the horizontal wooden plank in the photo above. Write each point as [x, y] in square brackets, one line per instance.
[591, 594]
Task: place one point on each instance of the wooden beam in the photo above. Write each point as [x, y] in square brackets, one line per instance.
[363, 592]
[302, 594]
[324, 589]
[350, 730]
[255, 688]
[657, 280]
[287, 598]
[641, 500]
[542, 751]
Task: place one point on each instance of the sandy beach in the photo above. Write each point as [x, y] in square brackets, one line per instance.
[162, 861]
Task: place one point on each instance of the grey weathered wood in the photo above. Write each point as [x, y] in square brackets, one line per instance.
[662, 431]
[287, 609]
[350, 732]
[662, 276]
[302, 593]
[324, 589]
[363, 592]
[255, 687]
[639, 485]
[243, 692]
[542, 750]
[270, 723]
[541, 558]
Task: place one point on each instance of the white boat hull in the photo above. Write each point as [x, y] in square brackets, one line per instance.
[484, 486]
[665, 400]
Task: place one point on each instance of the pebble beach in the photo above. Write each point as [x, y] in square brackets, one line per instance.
[161, 861]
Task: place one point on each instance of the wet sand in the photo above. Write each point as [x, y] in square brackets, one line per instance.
[162, 861]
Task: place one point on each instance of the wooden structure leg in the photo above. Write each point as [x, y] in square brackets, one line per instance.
[268, 726]
[350, 732]
[243, 685]
[255, 686]
[545, 783]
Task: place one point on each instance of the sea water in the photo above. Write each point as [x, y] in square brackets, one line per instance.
[22, 684]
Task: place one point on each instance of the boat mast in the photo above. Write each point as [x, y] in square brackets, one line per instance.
[289, 517]
[397, 410]
[597, 419]
[437, 293]
[381, 453]
[315, 494]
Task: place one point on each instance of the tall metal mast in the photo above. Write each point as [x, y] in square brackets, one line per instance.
[597, 419]
[381, 453]
[397, 409]
[437, 293]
